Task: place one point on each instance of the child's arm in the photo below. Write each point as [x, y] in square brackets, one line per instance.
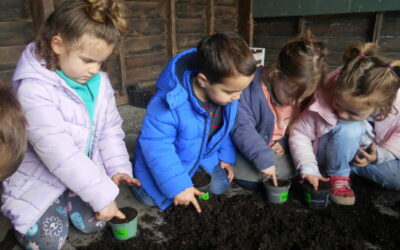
[157, 138]
[246, 138]
[112, 146]
[48, 136]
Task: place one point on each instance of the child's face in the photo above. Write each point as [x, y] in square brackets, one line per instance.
[229, 90]
[84, 60]
[353, 108]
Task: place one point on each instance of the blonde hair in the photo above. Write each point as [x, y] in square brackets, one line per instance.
[13, 141]
[366, 75]
[74, 18]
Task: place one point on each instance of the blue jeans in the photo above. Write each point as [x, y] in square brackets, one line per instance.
[219, 184]
[336, 151]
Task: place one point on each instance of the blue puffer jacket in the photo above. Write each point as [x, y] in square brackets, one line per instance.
[173, 141]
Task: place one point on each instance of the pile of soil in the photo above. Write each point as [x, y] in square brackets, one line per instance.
[249, 222]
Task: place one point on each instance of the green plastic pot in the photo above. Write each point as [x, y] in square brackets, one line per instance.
[126, 230]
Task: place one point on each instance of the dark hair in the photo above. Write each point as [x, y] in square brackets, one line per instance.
[223, 55]
[13, 139]
[366, 75]
[74, 18]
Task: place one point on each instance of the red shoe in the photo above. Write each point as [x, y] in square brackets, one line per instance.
[341, 192]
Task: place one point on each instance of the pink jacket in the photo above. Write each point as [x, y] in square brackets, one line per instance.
[58, 133]
[319, 118]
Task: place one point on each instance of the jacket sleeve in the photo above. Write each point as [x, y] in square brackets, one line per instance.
[227, 152]
[111, 144]
[301, 138]
[48, 136]
[248, 140]
[159, 132]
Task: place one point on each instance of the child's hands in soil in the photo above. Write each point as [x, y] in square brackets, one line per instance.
[270, 174]
[119, 178]
[313, 179]
[109, 212]
[228, 168]
[369, 155]
[278, 149]
[188, 196]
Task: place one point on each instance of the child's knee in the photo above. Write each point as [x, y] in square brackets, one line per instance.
[350, 130]
[86, 225]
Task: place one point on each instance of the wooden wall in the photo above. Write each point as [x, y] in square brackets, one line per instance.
[337, 31]
[159, 29]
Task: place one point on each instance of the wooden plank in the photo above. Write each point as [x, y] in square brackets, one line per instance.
[10, 55]
[390, 56]
[41, 9]
[184, 10]
[146, 10]
[145, 44]
[226, 2]
[122, 65]
[16, 33]
[204, 2]
[172, 28]
[145, 60]
[342, 25]
[210, 17]
[136, 75]
[225, 25]
[302, 26]
[245, 24]
[391, 24]
[14, 10]
[377, 27]
[188, 40]
[339, 43]
[191, 25]
[389, 44]
[271, 42]
[6, 76]
[225, 12]
[146, 27]
[276, 26]
[113, 69]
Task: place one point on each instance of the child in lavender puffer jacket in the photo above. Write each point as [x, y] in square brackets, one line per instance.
[76, 156]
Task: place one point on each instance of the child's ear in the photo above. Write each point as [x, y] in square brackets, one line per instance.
[202, 80]
[57, 44]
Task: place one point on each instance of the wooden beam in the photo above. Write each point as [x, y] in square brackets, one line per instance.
[41, 9]
[122, 66]
[377, 27]
[302, 26]
[245, 20]
[121, 100]
[172, 49]
[210, 17]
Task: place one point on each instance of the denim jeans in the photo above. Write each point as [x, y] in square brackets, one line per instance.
[336, 151]
[219, 184]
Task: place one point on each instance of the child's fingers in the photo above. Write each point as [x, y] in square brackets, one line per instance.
[274, 180]
[324, 179]
[196, 205]
[132, 181]
[197, 192]
[119, 215]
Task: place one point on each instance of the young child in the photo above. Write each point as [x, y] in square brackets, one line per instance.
[353, 125]
[12, 133]
[76, 156]
[189, 119]
[267, 107]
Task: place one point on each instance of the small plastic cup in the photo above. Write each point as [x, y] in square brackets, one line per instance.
[276, 195]
[316, 199]
[201, 181]
[124, 229]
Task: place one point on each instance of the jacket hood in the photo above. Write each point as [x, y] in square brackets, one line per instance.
[30, 66]
[171, 80]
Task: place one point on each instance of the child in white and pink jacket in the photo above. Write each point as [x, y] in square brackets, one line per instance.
[352, 126]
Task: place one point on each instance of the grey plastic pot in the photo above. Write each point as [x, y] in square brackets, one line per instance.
[276, 195]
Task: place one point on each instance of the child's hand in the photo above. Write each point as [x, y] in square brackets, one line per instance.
[119, 178]
[270, 174]
[313, 179]
[228, 168]
[188, 196]
[368, 156]
[278, 149]
[110, 212]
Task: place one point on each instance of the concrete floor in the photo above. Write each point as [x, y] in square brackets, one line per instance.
[133, 117]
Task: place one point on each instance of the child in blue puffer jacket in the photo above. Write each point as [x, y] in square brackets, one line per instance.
[188, 122]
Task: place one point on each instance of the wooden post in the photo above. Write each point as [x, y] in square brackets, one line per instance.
[41, 9]
[171, 29]
[210, 17]
[245, 21]
[377, 27]
[302, 26]
[122, 98]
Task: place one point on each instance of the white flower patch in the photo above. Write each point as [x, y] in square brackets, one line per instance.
[52, 226]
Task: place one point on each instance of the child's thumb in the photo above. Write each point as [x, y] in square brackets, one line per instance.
[120, 215]
[198, 192]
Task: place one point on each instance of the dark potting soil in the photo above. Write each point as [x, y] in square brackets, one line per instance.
[201, 179]
[249, 222]
[130, 214]
[321, 185]
[281, 183]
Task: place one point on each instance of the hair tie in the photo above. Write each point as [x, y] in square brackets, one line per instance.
[361, 54]
[389, 66]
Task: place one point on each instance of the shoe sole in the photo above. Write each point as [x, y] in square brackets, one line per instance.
[346, 201]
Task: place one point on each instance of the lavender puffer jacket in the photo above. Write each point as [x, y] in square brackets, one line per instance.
[58, 133]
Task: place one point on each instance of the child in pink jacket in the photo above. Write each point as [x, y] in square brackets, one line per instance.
[352, 126]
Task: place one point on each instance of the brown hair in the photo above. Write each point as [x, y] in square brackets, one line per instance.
[74, 18]
[13, 140]
[302, 65]
[366, 75]
[223, 55]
